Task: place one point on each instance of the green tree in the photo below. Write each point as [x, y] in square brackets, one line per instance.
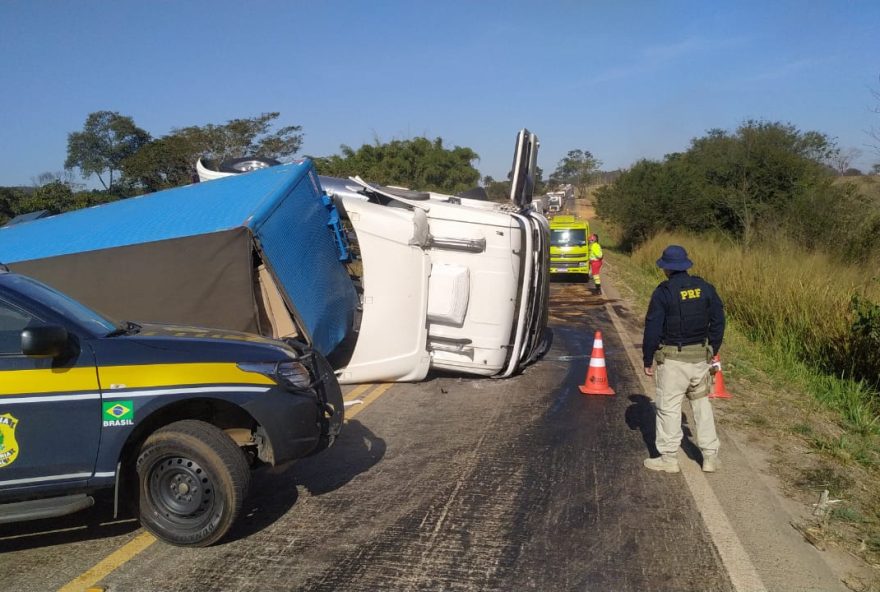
[578, 167]
[166, 162]
[418, 163]
[738, 182]
[250, 136]
[170, 161]
[55, 197]
[106, 140]
[8, 199]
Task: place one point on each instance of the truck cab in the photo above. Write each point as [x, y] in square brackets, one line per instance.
[170, 417]
[449, 283]
[569, 251]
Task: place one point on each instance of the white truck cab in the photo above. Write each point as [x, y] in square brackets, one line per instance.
[449, 283]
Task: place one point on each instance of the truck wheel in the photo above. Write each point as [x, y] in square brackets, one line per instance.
[192, 481]
[246, 164]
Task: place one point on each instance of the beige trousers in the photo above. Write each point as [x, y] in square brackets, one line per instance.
[675, 380]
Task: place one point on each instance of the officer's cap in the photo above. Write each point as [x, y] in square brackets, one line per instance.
[674, 258]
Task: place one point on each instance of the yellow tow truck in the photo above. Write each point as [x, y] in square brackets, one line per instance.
[569, 252]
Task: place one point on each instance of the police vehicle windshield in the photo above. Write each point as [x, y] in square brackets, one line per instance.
[568, 238]
[62, 304]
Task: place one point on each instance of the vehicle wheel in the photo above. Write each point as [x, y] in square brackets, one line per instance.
[246, 164]
[192, 481]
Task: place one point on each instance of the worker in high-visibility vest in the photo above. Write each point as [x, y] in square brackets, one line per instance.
[595, 251]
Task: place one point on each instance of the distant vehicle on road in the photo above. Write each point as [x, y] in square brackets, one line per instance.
[556, 201]
[169, 417]
[569, 252]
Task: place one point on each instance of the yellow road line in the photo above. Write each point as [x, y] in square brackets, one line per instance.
[357, 391]
[109, 563]
[377, 392]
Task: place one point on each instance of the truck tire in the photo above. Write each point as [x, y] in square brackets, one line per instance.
[246, 164]
[192, 481]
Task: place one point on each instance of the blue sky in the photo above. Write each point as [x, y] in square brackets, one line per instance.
[625, 80]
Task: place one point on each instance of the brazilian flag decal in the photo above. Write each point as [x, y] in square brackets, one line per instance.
[118, 413]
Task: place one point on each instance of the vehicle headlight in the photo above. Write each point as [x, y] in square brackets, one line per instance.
[583, 263]
[286, 373]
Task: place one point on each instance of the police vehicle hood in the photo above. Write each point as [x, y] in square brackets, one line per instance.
[216, 343]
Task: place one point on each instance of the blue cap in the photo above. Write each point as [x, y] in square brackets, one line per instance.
[674, 258]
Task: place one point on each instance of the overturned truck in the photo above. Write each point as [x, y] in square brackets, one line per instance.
[448, 283]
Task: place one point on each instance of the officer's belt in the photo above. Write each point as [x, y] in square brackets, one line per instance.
[697, 352]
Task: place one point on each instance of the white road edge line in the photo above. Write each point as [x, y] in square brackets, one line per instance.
[734, 557]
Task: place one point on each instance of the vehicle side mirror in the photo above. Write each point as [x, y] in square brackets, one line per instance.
[49, 341]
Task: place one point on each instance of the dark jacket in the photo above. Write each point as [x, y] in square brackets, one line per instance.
[684, 310]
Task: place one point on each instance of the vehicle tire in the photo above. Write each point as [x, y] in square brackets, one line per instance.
[246, 164]
[192, 480]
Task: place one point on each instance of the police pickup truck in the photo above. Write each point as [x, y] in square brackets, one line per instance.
[169, 417]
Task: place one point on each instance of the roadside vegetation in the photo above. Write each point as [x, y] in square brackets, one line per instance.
[418, 163]
[127, 160]
[794, 250]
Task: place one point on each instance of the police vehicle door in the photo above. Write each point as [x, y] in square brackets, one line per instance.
[50, 410]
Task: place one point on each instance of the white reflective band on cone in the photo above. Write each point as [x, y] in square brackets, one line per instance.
[597, 343]
[597, 362]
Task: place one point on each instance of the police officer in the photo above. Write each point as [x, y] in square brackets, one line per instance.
[683, 330]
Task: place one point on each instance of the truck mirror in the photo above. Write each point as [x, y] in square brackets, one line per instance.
[48, 341]
[525, 162]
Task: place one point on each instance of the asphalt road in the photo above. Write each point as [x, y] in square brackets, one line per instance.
[449, 484]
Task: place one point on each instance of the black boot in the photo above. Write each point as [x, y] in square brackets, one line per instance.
[597, 290]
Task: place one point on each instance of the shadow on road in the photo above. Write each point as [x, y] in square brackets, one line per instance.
[640, 416]
[574, 278]
[95, 523]
[688, 442]
[273, 493]
[274, 490]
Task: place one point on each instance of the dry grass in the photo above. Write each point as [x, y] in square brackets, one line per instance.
[868, 185]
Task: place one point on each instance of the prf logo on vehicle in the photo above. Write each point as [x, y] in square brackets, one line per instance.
[8, 444]
[118, 413]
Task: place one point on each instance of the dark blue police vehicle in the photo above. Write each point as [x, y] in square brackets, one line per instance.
[170, 417]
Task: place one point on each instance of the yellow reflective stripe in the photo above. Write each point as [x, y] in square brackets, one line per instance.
[22, 382]
[50, 380]
[151, 375]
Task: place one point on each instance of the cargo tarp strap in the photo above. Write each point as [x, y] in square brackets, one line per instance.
[335, 225]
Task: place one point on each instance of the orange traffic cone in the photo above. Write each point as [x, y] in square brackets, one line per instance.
[719, 392]
[597, 378]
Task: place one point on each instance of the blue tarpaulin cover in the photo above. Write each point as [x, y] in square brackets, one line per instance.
[280, 205]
